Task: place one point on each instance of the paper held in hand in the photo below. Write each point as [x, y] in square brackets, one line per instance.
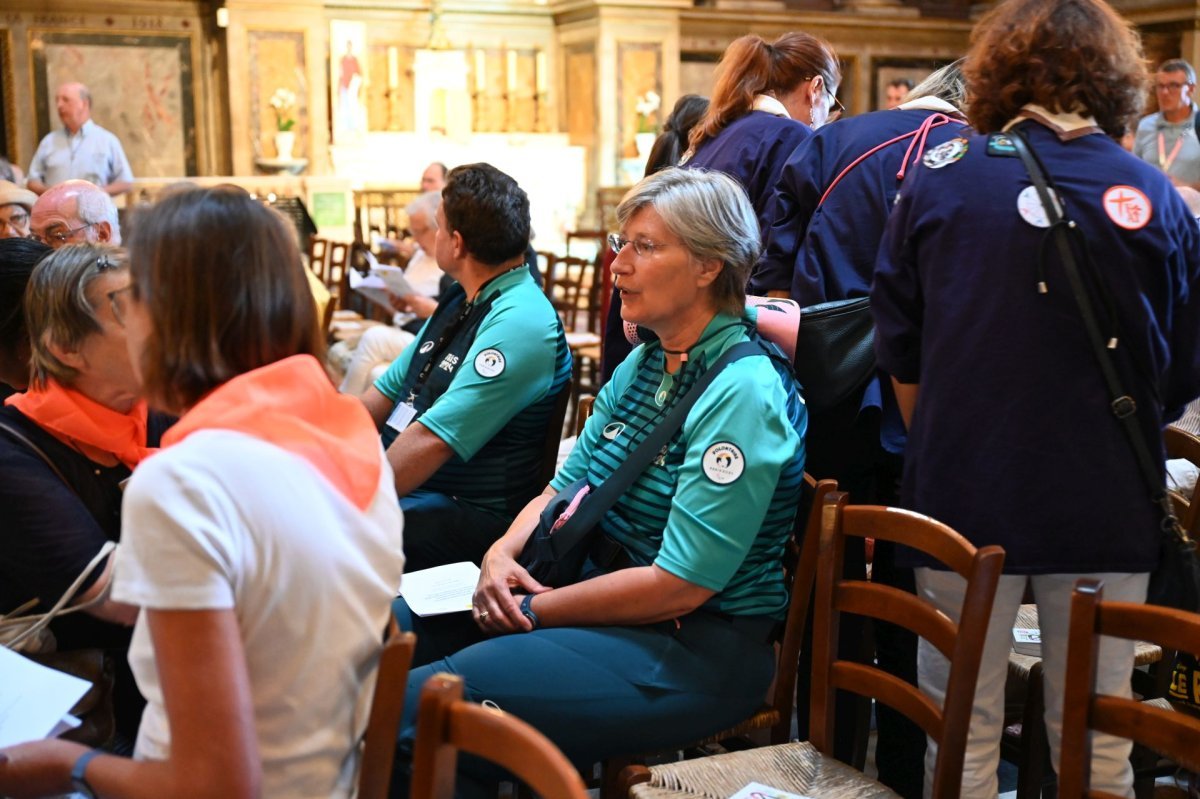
[381, 280]
[34, 700]
[442, 589]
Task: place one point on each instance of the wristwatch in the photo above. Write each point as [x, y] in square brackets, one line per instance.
[79, 783]
[527, 611]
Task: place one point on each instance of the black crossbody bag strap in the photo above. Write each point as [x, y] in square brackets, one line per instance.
[1122, 404]
[607, 493]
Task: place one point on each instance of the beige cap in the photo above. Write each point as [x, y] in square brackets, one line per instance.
[11, 193]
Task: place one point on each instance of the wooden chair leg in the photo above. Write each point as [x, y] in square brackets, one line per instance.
[1035, 749]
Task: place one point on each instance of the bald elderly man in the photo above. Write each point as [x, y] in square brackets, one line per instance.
[80, 149]
[15, 206]
[75, 212]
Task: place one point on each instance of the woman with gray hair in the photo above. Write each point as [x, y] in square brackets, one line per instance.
[66, 447]
[672, 640]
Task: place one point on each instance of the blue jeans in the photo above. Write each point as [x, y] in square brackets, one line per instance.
[596, 692]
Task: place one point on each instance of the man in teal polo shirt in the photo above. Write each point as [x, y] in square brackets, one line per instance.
[463, 410]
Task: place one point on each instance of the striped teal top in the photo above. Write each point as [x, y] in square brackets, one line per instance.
[716, 507]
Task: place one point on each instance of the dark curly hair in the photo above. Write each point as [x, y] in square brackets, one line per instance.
[1066, 55]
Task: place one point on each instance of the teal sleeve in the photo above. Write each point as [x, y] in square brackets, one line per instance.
[718, 510]
[576, 465]
[389, 382]
[475, 406]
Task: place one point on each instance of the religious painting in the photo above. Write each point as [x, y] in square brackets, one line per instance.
[888, 70]
[348, 71]
[580, 94]
[142, 90]
[278, 93]
[639, 91]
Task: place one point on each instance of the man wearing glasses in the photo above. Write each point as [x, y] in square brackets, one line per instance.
[1167, 139]
[75, 212]
[15, 205]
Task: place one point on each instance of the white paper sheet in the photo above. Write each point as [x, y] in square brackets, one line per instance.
[442, 589]
[33, 698]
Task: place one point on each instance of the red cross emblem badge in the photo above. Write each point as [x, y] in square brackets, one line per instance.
[1127, 206]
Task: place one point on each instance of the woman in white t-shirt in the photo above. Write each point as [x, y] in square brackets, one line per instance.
[263, 543]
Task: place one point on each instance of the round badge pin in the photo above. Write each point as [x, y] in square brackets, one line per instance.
[1029, 206]
[1127, 207]
[945, 153]
[426, 347]
[723, 463]
[489, 363]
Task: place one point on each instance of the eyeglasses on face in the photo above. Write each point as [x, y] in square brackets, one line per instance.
[642, 247]
[58, 235]
[1171, 86]
[118, 300]
[18, 223]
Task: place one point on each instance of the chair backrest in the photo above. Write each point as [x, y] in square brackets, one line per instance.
[1173, 734]
[961, 643]
[447, 724]
[554, 434]
[574, 293]
[583, 412]
[800, 572]
[1182, 444]
[318, 251]
[597, 236]
[387, 706]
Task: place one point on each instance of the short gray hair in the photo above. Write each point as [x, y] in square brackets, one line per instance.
[946, 84]
[57, 308]
[94, 205]
[712, 216]
[1179, 65]
[426, 204]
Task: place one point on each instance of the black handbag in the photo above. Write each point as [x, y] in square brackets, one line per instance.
[569, 527]
[835, 353]
[1176, 581]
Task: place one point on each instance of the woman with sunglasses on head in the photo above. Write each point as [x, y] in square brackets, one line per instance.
[262, 543]
[67, 445]
[768, 98]
[671, 639]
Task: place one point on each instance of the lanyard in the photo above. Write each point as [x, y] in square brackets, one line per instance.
[1164, 160]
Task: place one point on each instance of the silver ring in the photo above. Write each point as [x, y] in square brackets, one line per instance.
[483, 614]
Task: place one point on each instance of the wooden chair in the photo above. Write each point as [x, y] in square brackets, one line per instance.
[1152, 724]
[447, 724]
[1182, 444]
[318, 252]
[583, 412]
[379, 744]
[775, 714]
[808, 767]
[597, 236]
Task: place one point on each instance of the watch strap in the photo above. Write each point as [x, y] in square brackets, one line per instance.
[527, 611]
[79, 783]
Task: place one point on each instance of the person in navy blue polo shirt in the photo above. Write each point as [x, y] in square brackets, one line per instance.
[768, 98]
[1012, 440]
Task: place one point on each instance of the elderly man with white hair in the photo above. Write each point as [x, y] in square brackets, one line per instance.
[75, 212]
[80, 149]
[381, 345]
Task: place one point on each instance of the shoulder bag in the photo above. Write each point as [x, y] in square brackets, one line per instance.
[569, 526]
[1176, 581]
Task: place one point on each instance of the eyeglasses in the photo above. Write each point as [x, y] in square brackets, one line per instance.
[643, 248]
[836, 108]
[18, 223]
[119, 303]
[59, 237]
[1171, 86]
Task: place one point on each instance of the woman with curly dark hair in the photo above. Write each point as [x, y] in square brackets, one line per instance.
[1013, 438]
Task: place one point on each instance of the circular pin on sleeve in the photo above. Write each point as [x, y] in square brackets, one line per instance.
[1127, 207]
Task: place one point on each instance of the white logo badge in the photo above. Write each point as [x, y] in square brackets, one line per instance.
[1029, 206]
[946, 153]
[723, 463]
[611, 431]
[1127, 206]
[489, 363]
[426, 347]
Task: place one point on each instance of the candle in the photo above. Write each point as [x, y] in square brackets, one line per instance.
[541, 72]
[512, 71]
[480, 71]
[393, 68]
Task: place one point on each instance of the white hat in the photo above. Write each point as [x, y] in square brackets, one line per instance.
[12, 194]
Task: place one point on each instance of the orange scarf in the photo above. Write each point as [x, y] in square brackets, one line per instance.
[96, 431]
[292, 404]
